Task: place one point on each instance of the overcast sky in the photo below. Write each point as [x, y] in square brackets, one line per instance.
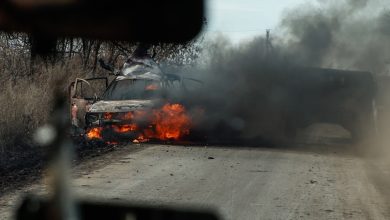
[244, 19]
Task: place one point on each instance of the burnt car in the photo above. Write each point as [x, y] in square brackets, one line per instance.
[140, 104]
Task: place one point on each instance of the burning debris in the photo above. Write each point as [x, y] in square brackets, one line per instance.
[169, 123]
[95, 133]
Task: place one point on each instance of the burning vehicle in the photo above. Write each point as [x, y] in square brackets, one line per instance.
[144, 104]
[140, 104]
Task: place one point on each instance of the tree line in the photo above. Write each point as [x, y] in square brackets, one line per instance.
[19, 51]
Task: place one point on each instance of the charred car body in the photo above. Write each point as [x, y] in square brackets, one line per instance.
[140, 104]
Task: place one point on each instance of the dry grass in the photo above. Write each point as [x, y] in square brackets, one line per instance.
[26, 103]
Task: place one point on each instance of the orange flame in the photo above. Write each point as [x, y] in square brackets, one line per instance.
[140, 139]
[125, 128]
[171, 122]
[95, 133]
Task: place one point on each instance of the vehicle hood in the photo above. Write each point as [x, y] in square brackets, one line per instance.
[122, 105]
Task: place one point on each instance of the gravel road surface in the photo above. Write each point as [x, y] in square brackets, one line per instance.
[320, 178]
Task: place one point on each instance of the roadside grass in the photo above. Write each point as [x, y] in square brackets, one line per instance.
[25, 104]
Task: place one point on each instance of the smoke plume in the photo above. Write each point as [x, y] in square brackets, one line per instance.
[348, 34]
[252, 87]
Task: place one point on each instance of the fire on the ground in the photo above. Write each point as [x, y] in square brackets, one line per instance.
[169, 122]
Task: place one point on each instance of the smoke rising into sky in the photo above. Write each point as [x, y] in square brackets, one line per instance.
[253, 90]
[347, 34]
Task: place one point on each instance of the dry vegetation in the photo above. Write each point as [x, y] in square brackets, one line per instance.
[26, 103]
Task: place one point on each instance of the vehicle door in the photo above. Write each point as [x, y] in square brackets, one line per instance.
[82, 94]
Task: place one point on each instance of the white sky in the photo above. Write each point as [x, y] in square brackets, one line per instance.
[245, 19]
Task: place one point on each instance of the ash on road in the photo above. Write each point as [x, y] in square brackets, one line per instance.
[325, 179]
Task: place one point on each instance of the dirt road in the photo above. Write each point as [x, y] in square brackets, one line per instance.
[305, 181]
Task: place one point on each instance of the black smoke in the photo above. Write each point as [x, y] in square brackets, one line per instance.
[349, 34]
[258, 92]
